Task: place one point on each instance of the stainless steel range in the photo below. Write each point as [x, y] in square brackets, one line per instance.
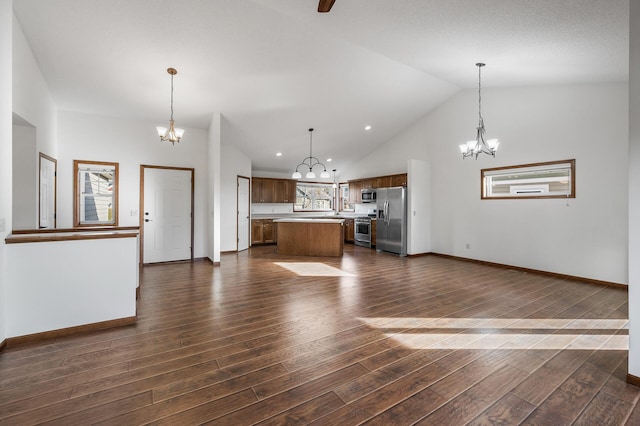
[362, 231]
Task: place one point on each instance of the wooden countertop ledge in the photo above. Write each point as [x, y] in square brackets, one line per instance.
[70, 234]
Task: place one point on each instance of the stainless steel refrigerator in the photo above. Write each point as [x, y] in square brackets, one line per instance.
[391, 226]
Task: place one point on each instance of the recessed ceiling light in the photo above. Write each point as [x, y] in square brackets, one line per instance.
[278, 154]
[329, 160]
[367, 128]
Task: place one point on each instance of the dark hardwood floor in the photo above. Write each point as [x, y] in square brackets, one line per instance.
[367, 338]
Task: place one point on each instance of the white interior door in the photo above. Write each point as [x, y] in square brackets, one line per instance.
[47, 193]
[243, 213]
[167, 215]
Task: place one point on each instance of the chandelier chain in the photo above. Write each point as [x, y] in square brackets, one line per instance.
[479, 94]
[171, 96]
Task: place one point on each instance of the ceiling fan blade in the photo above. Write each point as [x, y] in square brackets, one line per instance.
[325, 5]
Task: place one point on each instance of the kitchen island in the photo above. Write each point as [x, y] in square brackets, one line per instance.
[310, 237]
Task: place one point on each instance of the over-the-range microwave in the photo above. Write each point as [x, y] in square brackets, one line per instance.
[368, 195]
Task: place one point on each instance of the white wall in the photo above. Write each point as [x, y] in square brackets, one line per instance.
[32, 99]
[419, 207]
[235, 164]
[50, 297]
[6, 23]
[391, 158]
[33, 103]
[585, 236]
[634, 192]
[214, 192]
[131, 144]
[25, 178]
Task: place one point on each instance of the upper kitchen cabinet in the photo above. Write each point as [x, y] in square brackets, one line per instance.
[356, 186]
[355, 191]
[398, 180]
[261, 190]
[369, 183]
[384, 182]
[285, 191]
[266, 190]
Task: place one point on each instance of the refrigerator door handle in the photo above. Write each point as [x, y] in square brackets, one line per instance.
[386, 213]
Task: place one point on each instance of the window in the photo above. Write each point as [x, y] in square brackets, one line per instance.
[314, 196]
[555, 179]
[345, 205]
[95, 193]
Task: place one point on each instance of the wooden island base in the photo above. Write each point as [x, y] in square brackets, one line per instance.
[310, 237]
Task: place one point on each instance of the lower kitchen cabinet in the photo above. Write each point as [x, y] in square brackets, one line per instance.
[373, 232]
[268, 231]
[263, 231]
[349, 230]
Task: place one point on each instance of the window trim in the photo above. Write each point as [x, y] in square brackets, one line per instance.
[333, 200]
[341, 200]
[549, 165]
[76, 193]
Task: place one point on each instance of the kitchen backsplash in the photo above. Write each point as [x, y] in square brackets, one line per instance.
[271, 208]
[365, 209]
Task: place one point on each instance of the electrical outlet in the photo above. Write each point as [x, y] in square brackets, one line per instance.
[133, 213]
[3, 225]
[468, 246]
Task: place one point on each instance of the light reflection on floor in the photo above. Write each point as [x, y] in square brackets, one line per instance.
[494, 333]
[313, 269]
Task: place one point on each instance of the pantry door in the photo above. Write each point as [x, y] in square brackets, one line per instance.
[166, 214]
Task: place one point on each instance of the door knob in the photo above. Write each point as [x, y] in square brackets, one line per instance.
[147, 220]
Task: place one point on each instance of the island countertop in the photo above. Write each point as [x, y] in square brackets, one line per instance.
[308, 220]
[310, 237]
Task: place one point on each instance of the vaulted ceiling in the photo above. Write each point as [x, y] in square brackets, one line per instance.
[274, 68]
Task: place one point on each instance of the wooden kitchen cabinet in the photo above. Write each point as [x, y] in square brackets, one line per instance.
[384, 182]
[369, 183]
[373, 232]
[256, 231]
[266, 190]
[261, 190]
[356, 186]
[263, 231]
[399, 180]
[355, 191]
[268, 231]
[285, 191]
[349, 229]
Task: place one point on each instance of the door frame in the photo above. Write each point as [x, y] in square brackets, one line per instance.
[238, 211]
[141, 214]
[45, 157]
